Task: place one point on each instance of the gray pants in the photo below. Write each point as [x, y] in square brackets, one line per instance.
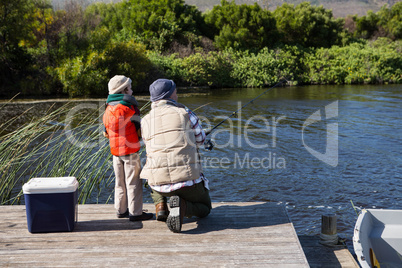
[128, 185]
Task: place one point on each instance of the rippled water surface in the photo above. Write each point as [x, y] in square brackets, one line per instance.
[263, 152]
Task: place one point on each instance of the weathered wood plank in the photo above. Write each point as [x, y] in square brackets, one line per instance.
[322, 256]
[234, 234]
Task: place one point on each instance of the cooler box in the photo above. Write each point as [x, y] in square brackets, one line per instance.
[51, 204]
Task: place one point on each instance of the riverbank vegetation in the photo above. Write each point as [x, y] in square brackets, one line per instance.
[45, 147]
[75, 51]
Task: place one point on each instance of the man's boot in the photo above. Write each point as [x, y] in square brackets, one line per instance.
[161, 211]
[177, 212]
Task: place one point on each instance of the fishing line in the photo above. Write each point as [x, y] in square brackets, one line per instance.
[208, 145]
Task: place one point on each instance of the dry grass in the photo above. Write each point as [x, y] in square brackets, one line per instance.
[61, 143]
[340, 8]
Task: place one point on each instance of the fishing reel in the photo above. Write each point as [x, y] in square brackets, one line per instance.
[209, 145]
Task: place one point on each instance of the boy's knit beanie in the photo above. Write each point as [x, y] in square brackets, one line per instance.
[118, 83]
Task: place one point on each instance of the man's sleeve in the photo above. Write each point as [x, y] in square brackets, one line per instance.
[198, 131]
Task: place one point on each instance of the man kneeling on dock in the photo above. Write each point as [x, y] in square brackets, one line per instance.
[172, 134]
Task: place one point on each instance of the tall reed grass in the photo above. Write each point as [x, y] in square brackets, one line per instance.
[67, 141]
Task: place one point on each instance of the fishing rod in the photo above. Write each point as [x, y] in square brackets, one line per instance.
[208, 144]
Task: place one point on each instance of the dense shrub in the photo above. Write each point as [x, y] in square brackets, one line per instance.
[385, 23]
[356, 64]
[308, 25]
[209, 69]
[170, 66]
[367, 26]
[268, 66]
[243, 27]
[256, 70]
[157, 23]
[13, 57]
[76, 50]
[377, 62]
[391, 20]
[84, 76]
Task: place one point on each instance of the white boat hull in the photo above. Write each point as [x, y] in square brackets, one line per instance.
[377, 238]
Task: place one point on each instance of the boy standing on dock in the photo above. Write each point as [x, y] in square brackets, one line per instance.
[172, 134]
[122, 127]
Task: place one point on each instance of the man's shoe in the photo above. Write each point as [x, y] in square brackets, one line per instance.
[123, 215]
[177, 210]
[162, 211]
[143, 217]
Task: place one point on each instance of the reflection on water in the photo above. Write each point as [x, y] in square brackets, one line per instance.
[261, 155]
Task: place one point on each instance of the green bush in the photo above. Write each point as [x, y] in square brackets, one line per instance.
[241, 27]
[85, 76]
[308, 25]
[366, 26]
[77, 50]
[15, 31]
[157, 23]
[209, 69]
[255, 70]
[356, 64]
[79, 78]
[268, 66]
[387, 22]
[170, 66]
[391, 20]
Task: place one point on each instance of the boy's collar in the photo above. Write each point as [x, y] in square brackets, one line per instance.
[124, 99]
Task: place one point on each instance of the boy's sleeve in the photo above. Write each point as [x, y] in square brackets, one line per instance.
[136, 118]
[104, 126]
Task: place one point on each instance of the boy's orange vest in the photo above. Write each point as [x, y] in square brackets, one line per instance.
[123, 136]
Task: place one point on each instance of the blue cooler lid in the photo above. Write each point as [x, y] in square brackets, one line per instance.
[50, 185]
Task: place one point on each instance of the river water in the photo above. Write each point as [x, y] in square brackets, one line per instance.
[314, 149]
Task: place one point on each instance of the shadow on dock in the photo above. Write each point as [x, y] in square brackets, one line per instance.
[107, 225]
[240, 217]
[319, 255]
[221, 217]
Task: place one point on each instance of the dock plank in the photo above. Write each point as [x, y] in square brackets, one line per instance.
[319, 255]
[233, 235]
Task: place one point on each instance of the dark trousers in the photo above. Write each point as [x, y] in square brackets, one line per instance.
[197, 199]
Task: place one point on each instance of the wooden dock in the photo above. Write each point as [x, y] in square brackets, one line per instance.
[233, 235]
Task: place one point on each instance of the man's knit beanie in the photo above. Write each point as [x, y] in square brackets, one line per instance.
[161, 89]
[118, 83]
